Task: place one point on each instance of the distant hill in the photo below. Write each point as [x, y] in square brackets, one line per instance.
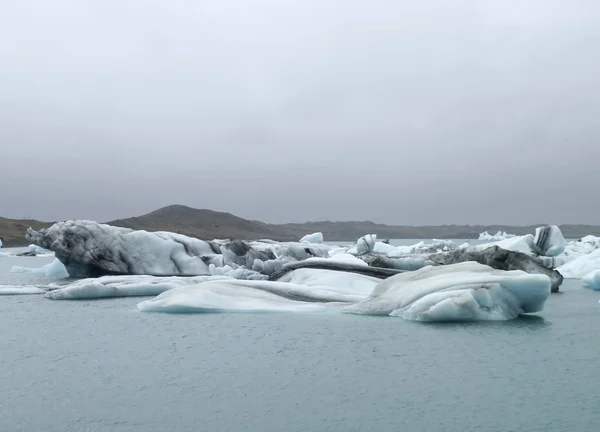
[12, 231]
[204, 224]
[209, 224]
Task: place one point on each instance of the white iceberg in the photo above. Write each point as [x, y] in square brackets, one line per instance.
[54, 269]
[581, 266]
[312, 238]
[122, 286]
[243, 296]
[500, 235]
[366, 244]
[20, 290]
[457, 292]
[592, 280]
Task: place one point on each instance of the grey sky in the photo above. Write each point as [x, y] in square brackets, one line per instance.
[401, 112]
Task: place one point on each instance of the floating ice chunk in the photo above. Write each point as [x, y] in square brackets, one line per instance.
[500, 235]
[0, 243]
[312, 238]
[366, 244]
[465, 291]
[592, 280]
[122, 286]
[243, 296]
[20, 290]
[384, 248]
[581, 266]
[549, 241]
[54, 269]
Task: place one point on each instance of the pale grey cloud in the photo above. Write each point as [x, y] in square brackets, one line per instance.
[428, 113]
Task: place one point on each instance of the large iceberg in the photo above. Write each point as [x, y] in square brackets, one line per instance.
[466, 291]
[90, 249]
[492, 256]
[500, 235]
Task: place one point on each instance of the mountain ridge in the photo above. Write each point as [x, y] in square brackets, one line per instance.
[210, 224]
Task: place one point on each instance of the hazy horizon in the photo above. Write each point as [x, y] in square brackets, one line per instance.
[468, 112]
[538, 223]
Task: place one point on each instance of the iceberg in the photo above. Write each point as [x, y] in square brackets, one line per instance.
[581, 266]
[312, 238]
[500, 235]
[492, 256]
[90, 249]
[366, 244]
[225, 297]
[54, 269]
[20, 290]
[592, 280]
[122, 286]
[549, 241]
[459, 292]
[465, 291]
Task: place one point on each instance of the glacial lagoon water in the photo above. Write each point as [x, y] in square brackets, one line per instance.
[104, 366]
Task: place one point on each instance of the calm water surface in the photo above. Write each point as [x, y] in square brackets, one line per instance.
[103, 366]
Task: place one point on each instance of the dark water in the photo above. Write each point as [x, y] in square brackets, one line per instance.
[103, 366]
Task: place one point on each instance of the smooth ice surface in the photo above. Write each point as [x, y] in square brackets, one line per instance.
[312, 238]
[356, 286]
[243, 296]
[500, 235]
[465, 291]
[592, 280]
[121, 286]
[20, 290]
[53, 269]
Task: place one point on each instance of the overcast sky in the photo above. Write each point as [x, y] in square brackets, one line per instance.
[404, 112]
